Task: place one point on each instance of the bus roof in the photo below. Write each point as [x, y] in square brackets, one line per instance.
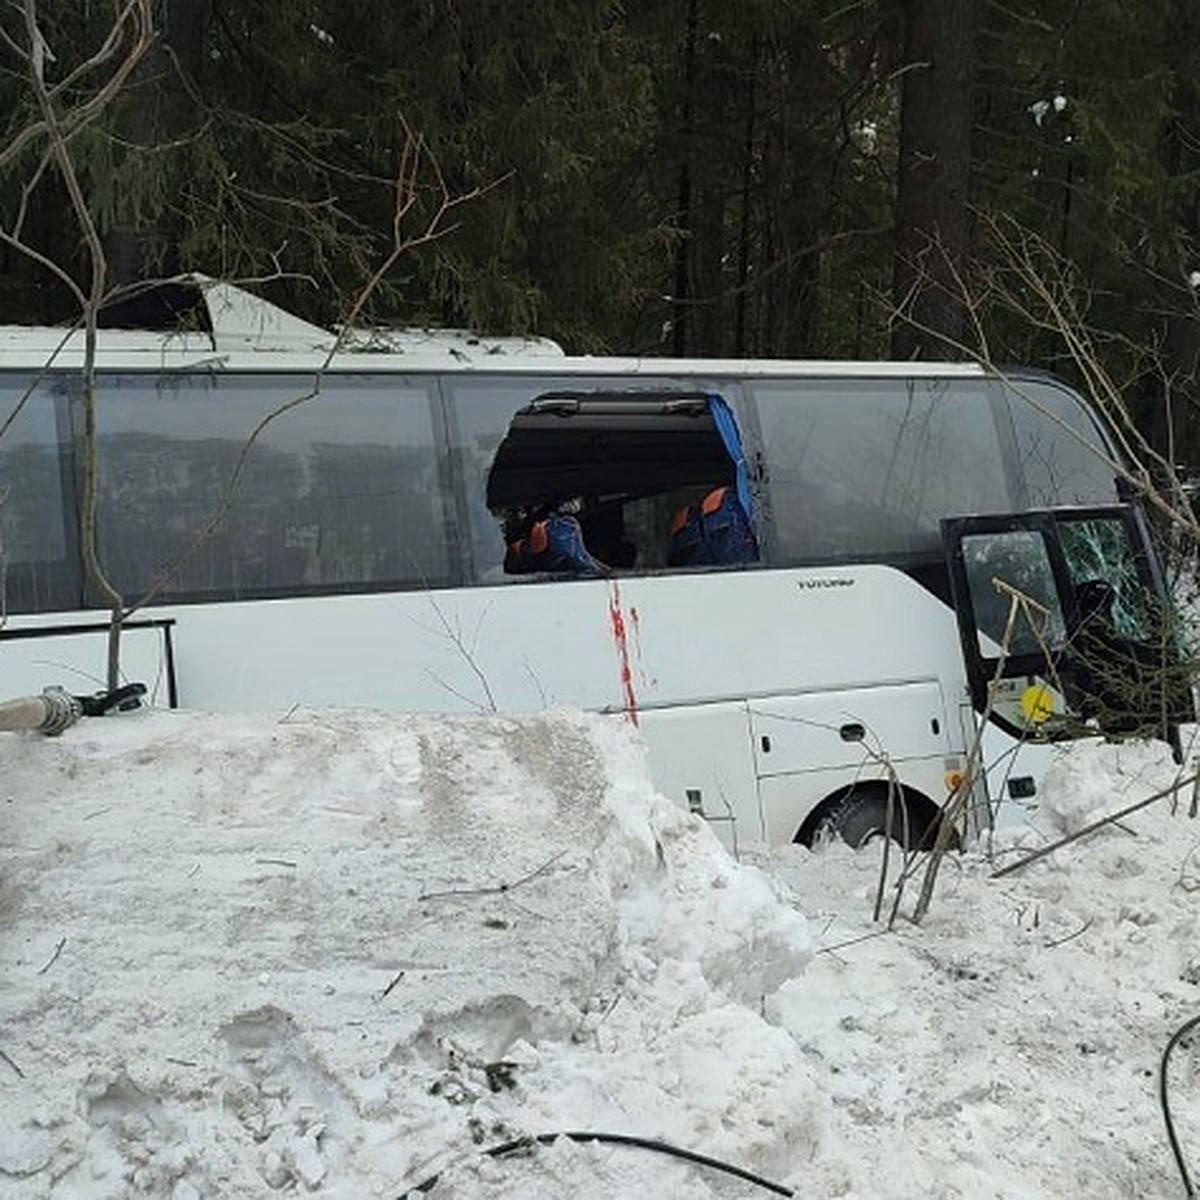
[249, 333]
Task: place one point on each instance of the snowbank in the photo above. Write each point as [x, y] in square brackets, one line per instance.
[345, 954]
[338, 952]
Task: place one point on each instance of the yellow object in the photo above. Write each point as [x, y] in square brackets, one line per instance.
[1037, 703]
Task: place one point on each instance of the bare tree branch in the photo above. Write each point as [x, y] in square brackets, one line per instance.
[406, 192]
[139, 14]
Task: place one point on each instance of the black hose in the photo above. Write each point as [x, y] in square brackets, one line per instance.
[621, 1139]
[1176, 1037]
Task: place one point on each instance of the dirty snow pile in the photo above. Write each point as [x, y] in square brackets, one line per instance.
[346, 954]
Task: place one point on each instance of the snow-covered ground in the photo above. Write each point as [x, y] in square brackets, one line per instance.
[345, 953]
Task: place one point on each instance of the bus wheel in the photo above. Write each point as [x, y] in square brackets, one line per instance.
[860, 816]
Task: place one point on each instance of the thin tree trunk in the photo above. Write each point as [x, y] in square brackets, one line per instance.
[934, 171]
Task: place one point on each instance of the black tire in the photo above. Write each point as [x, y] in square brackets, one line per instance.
[861, 815]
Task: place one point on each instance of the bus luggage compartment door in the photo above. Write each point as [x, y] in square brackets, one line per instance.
[807, 746]
[700, 757]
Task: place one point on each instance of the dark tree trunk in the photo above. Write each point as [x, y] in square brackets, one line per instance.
[156, 110]
[681, 321]
[934, 172]
[1173, 425]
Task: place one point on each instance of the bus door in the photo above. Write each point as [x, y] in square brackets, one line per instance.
[1064, 627]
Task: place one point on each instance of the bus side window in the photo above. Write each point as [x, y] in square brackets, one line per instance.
[340, 492]
[37, 569]
[601, 454]
[860, 470]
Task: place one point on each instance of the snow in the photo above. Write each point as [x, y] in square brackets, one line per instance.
[1041, 108]
[344, 953]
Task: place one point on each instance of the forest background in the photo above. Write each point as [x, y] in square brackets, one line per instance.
[775, 178]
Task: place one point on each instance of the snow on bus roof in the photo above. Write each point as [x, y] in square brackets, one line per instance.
[248, 332]
[240, 321]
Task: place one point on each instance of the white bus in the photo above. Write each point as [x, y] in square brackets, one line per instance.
[446, 524]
